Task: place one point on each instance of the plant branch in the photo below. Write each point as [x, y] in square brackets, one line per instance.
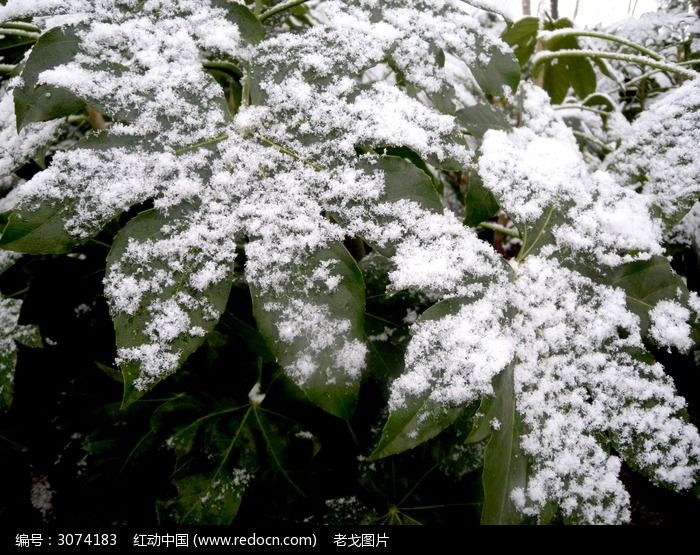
[582, 107]
[633, 59]
[280, 8]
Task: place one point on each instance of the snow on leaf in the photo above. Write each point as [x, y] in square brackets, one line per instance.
[577, 378]
[538, 166]
[659, 155]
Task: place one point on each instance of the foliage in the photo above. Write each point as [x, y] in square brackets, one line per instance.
[409, 233]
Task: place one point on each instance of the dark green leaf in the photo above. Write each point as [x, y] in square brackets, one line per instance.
[505, 465]
[252, 31]
[403, 180]
[564, 73]
[43, 102]
[420, 420]
[130, 329]
[38, 231]
[539, 234]
[481, 117]
[480, 203]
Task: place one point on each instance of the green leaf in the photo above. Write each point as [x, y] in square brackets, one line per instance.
[502, 70]
[403, 180]
[421, 418]
[329, 381]
[131, 329]
[480, 117]
[480, 203]
[43, 102]
[38, 231]
[646, 282]
[505, 465]
[564, 73]
[250, 27]
[202, 499]
[522, 36]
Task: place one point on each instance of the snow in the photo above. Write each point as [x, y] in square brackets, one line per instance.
[669, 325]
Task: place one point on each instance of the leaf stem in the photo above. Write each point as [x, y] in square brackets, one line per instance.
[227, 454]
[7, 68]
[548, 35]
[280, 8]
[584, 108]
[19, 33]
[274, 455]
[631, 58]
[487, 7]
[22, 26]
[623, 84]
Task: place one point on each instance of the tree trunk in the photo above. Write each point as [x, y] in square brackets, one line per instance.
[526, 7]
[555, 9]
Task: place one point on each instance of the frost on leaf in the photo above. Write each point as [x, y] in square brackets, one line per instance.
[659, 156]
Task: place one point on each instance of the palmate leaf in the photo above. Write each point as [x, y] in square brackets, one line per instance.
[573, 380]
[314, 327]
